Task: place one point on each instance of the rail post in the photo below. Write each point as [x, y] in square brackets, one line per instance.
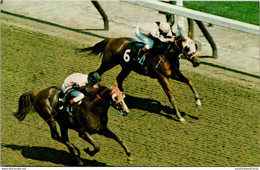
[102, 13]
[209, 38]
[190, 28]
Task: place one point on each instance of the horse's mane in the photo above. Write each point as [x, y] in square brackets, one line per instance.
[56, 87]
[159, 48]
[94, 91]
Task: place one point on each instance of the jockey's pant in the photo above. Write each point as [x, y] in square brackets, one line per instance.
[148, 41]
[75, 93]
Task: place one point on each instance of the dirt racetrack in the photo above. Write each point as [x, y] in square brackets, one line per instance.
[36, 52]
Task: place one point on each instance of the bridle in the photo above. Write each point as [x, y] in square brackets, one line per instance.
[182, 50]
[113, 91]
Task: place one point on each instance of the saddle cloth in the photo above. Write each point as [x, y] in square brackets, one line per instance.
[131, 52]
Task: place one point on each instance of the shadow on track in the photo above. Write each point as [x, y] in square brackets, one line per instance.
[153, 106]
[83, 31]
[51, 155]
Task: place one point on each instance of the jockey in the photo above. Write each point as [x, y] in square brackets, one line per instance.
[75, 81]
[147, 32]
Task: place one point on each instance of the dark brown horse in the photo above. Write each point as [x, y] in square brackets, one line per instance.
[162, 62]
[89, 117]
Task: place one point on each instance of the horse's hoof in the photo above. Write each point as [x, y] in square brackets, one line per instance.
[130, 159]
[123, 113]
[198, 104]
[182, 120]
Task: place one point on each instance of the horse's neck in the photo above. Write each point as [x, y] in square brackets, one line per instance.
[102, 95]
[98, 102]
[159, 48]
[170, 50]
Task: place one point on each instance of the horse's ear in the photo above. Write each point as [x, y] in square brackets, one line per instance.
[182, 38]
[189, 34]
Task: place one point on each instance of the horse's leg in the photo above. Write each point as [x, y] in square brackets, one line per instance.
[86, 136]
[107, 63]
[54, 133]
[166, 87]
[73, 150]
[121, 77]
[108, 133]
[46, 113]
[180, 77]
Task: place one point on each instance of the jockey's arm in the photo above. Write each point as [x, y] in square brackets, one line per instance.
[85, 89]
[170, 39]
[162, 39]
[88, 89]
[156, 35]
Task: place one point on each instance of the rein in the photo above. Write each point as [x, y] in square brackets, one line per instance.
[175, 42]
[99, 95]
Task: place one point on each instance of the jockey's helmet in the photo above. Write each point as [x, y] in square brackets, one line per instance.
[93, 78]
[164, 27]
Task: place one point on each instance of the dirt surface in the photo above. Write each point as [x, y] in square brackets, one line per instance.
[36, 41]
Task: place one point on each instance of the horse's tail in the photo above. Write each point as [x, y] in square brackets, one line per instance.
[26, 102]
[97, 48]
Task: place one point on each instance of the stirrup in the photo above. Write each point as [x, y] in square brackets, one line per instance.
[141, 61]
[79, 102]
[68, 109]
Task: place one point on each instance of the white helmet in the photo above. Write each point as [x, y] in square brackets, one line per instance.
[164, 27]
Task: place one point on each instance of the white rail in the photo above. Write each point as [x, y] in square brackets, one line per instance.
[196, 15]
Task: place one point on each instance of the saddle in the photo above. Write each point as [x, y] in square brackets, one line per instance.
[131, 55]
[131, 52]
[63, 104]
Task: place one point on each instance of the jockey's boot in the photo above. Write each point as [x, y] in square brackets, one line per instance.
[141, 53]
[71, 106]
[68, 108]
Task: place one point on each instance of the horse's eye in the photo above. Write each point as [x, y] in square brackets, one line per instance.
[115, 98]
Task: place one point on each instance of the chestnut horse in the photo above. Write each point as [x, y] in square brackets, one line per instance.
[89, 117]
[162, 62]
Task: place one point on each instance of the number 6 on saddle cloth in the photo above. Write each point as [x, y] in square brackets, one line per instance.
[131, 53]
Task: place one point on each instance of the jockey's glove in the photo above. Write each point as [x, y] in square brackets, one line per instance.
[75, 86]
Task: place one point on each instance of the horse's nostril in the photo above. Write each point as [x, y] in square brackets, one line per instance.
[196, 64]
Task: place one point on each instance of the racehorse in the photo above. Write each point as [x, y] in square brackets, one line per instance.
[162, 62]
[89, 117]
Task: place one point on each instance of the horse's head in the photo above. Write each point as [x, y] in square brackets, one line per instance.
[188, 49]
[118, 101]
